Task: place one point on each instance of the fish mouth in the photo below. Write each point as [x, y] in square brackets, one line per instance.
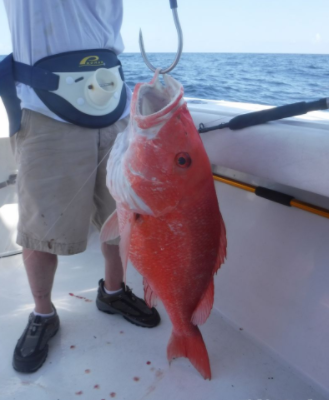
[153, 103]
[152, 106]
[152, 99]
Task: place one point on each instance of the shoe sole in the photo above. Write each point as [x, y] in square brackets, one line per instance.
[30, 371]
[105, 308]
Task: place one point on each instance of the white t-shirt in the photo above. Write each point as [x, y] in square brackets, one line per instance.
[40, 28]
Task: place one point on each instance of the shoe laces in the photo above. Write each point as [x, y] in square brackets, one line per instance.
[35, 325]
[129, 293]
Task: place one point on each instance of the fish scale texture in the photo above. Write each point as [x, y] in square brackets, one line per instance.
[177, 255]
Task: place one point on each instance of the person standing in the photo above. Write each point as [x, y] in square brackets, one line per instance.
[62, 165]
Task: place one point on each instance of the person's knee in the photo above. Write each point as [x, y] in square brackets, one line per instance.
[39, 258]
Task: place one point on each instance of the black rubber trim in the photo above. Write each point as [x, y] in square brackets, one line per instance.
[173, 4]
[272, 114]
[11, 181]
[273, 195]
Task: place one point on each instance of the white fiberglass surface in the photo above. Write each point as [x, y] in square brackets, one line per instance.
[274, 283]
[4, 124]
[8, 221]
[272, 289]
[292, 152]
[99, 356]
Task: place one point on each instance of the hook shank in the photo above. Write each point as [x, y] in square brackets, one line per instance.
[179, 50]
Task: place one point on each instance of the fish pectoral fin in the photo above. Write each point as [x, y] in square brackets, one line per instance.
[203, 309]
[110, 228]
[150, 296]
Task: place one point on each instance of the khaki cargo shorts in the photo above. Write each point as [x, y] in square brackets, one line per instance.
[61, 182]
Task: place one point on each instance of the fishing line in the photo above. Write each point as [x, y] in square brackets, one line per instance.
[210, 122]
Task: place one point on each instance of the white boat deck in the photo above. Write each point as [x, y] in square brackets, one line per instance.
[267, 336]
[97, 356]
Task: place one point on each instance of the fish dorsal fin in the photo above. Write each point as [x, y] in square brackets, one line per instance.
[203, 309]
[149, 295]
[110, 228]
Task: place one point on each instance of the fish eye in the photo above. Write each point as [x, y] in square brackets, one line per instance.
[183, 160]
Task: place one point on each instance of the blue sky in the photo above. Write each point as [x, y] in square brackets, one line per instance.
[262, 26]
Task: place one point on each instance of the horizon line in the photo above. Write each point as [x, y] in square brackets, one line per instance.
[222, 52]
[216, 52]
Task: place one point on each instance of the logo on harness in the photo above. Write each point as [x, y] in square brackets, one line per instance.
[91, 61]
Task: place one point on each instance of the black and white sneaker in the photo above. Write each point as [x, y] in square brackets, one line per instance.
[32, 347]
[125, 303]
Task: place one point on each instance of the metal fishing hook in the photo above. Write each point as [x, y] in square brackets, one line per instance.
[173, 5]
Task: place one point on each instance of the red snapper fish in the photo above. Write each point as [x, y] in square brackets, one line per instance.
[167, 213]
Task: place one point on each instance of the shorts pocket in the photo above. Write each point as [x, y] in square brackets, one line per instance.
[21, 134]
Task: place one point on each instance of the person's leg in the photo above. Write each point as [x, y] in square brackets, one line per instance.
[124, 301]
[57, 165]
[114, 297]
[32, 347]
[113, 267]
[105, 205]
[40, 268]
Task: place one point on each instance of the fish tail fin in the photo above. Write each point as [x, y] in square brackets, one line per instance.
[191, 347]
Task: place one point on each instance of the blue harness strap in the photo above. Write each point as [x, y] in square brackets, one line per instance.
[9, 95]
[35, 77]
[11, 71]
[44, 79]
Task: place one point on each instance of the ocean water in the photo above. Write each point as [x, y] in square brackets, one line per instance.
[270, 79]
